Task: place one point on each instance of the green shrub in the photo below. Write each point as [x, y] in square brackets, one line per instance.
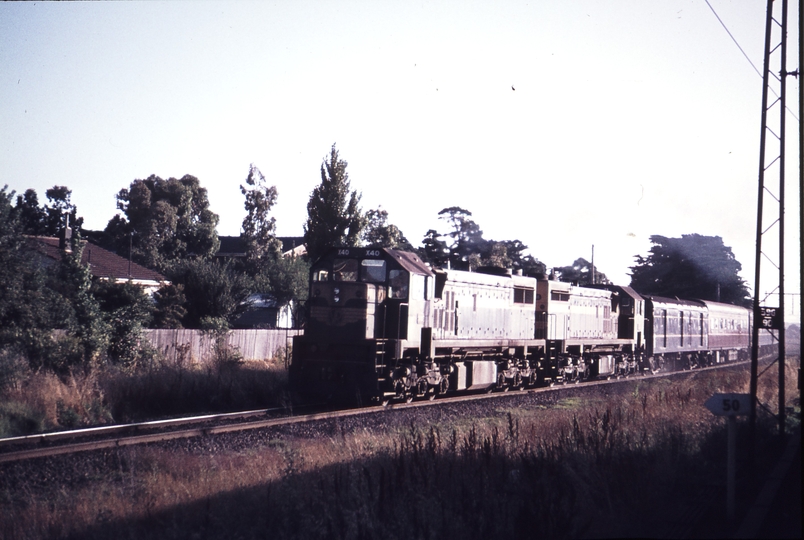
[17, 418]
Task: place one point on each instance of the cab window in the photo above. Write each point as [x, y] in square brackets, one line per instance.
[373, 271]
[344, 270]
[320, 275]
[398, 284]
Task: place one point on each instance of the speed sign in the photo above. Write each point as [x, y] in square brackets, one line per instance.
[729, 404]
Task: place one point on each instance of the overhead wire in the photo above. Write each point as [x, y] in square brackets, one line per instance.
[744, 53]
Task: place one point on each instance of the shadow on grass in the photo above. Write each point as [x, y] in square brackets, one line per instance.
[464, 488]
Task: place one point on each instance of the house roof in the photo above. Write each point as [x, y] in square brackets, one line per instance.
[231, 246]
[235, 246]
[102, 263]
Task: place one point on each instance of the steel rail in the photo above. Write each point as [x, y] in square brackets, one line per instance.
[45, 438]
[130, 440]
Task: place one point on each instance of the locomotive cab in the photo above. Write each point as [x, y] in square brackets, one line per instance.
[358, 293]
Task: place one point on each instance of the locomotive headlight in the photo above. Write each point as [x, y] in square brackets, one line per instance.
[336, 290]
[336, 299]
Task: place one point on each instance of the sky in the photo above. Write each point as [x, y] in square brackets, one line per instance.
[561, 124]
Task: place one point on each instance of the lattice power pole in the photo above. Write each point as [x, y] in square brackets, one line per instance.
[770, 213]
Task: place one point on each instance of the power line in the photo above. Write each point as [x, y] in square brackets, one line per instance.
[734, 40]
[744, 53]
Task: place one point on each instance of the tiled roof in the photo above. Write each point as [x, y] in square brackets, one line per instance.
[102, 263]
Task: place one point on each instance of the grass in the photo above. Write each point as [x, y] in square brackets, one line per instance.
[599, 466]
[34, 402]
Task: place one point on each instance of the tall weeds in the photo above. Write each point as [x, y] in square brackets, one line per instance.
[37, 401]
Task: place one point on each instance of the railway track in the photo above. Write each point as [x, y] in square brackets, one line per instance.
[119, 436]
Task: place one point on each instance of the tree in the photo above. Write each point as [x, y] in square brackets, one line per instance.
[435, 250]
[214, 292]
[50, 219]
[32, 218]
[36, 299]
[84, 318]
[169, 310]
[285, 280]
[379, 233]
[692, 267]
[167, 221]
[259, 227]
[467, 238]
[59, 208]
[30, 308]
[580, 272]
[333, 215]
[514, 252]
[468, 249]
[127, 309]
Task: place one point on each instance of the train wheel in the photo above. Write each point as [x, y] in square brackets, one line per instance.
[421, 388]
[443, 386]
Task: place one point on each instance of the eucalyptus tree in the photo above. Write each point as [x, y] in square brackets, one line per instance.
[693, 266]
[165, 222]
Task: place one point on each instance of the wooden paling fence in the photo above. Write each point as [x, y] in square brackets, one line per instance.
[251, 344]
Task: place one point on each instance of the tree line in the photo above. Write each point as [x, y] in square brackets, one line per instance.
[167, 225]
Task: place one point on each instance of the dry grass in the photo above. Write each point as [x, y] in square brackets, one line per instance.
[588, 466]
[42, 401]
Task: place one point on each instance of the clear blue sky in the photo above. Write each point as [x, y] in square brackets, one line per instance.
[561, 124]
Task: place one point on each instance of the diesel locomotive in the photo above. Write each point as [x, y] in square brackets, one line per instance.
[384, 326]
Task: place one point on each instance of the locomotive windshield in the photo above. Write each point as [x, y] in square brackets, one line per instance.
[372, 271]
[365, 271]
[344, 270]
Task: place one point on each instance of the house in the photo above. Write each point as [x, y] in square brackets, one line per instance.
[263, 311]
[103, 264]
